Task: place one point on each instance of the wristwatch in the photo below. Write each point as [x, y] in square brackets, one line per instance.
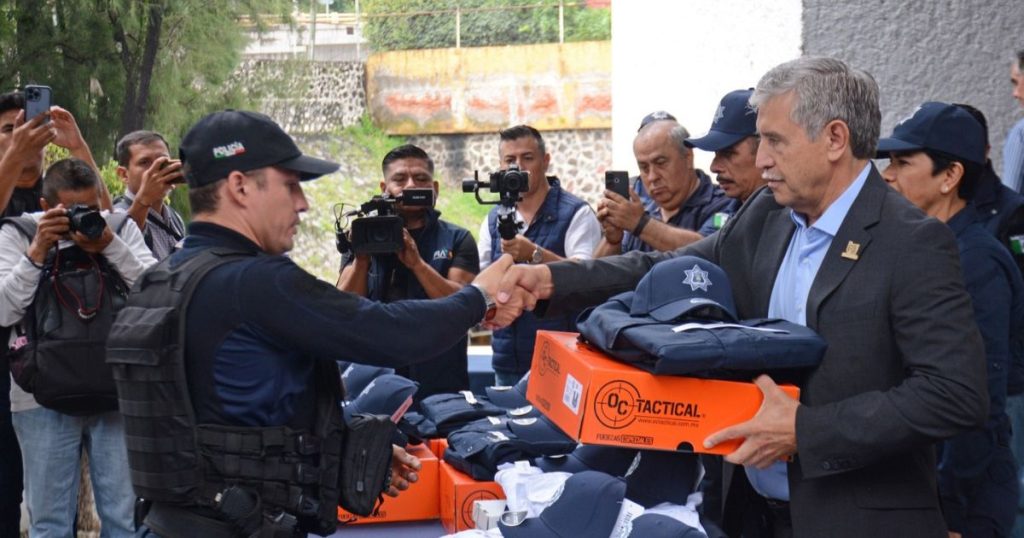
[489, 302]
[538, 256]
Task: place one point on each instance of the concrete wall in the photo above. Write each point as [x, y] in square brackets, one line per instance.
[307, 97]
[578, 157]
[926, 50]
[483, 89]
[683, 56]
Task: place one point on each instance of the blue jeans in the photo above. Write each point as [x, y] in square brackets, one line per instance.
[51, 447]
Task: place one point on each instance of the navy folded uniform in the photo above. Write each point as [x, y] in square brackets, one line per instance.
[449, 412]
[643, 327]
[705, 349]
[478, 449]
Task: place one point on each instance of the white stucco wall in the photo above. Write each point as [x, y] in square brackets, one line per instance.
[926, 50]
[684, 55]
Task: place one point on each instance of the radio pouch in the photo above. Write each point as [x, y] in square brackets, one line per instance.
[365, 463]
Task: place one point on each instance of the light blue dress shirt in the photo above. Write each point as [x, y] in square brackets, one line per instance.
[1013, 158]
[806, 251]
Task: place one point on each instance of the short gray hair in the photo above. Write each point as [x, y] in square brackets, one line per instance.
[678, 134]
[826, 90]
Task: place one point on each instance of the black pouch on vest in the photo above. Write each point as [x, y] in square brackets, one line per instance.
[365, 463]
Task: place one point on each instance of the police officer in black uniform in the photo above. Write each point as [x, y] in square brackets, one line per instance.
[225, 355]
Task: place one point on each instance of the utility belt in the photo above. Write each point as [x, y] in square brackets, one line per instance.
[238, 514]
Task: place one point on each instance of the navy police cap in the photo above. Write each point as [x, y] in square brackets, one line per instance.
[612, 460]
[661, 526]
[734, 120]
[588, 506]
[388, 394]
[939, 127]
[682, 285]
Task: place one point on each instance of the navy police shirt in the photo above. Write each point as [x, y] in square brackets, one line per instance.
[255, 327]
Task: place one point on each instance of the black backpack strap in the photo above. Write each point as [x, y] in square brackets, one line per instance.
[117, 221]
[122, 203]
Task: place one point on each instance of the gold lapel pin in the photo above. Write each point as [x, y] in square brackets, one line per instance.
[851, 251]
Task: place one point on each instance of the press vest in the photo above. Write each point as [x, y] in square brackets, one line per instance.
[513, 345]
[176, 461]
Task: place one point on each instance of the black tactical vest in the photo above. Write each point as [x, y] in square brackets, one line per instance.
[176, 461]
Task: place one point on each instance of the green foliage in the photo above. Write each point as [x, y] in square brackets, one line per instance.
[93, 54]
[422, 24]
[367, 144]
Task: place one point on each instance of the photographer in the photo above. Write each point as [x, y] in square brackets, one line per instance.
[145, 166]
[69, 272]
[437, 260]
[21, 167]
[555, 225]
[682, 198]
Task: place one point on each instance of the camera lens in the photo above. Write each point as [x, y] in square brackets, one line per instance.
[33, 94]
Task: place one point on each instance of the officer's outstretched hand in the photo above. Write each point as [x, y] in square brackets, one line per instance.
[403, 470]
[768, 437]
[510, 304]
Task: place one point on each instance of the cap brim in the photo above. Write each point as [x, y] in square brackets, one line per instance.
[309, 167]
[889, 145]
[507, 399]
[715, 140]
[532, 527]
[671, 311]
[567, 463]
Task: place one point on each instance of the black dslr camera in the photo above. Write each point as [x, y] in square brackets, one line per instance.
[377, 228]
[82, 218]
[509, 185]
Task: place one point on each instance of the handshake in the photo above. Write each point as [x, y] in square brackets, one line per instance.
[514, 287]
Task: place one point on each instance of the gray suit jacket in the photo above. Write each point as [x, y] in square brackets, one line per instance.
[904, 368]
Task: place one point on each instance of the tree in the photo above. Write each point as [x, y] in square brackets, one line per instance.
[424, 24]
[122, 65]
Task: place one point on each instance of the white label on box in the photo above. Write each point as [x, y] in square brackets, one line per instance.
[572, 394]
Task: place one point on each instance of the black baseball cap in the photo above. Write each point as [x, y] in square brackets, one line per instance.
[231, 140]
[938, 127]
[734, 120]
[660, 115]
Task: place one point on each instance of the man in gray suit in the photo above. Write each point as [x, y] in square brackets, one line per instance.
[828, 244]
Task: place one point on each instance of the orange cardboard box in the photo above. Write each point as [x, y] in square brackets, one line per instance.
[437, 446]
[598, 400]
[458, 491]
[418, 502]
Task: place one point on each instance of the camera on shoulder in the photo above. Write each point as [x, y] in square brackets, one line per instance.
[377, 228]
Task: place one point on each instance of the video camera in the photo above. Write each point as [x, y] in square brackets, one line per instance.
[377, 228]
[510, 185]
